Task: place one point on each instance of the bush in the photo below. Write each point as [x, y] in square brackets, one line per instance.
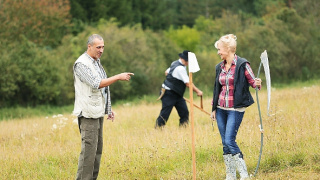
[29, 76]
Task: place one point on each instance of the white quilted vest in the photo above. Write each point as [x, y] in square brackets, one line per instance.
[88, 101]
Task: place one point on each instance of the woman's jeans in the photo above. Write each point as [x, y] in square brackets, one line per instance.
[228, 123]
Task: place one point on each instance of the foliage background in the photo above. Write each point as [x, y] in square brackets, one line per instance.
[41, 39]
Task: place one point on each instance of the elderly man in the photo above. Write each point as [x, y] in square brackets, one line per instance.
[92, 103]
[173, 88]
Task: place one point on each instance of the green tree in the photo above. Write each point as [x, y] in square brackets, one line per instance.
[44, 22]
[150, 14]
[153, 14]
[29, 75]
[186, 38]
[188, 11]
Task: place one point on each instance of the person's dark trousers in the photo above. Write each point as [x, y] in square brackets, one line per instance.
[169, 100]
[91, 147]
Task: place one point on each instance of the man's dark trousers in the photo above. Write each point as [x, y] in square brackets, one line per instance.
[169, 100]
[91, 147]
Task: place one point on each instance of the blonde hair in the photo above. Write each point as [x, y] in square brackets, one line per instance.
[229, 41]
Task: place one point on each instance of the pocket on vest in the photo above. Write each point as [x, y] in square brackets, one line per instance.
[95, 106]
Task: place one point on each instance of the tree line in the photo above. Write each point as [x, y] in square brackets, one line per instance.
[41, 39]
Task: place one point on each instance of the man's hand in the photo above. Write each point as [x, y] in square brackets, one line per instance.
[111, 116]
[125, 76]
[122, 77]
[199, 93]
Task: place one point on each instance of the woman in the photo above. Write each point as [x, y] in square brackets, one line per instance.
[231, 96]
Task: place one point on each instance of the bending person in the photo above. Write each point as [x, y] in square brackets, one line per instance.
[173, 89]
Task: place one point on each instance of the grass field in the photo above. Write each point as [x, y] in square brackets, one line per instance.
[48, 147]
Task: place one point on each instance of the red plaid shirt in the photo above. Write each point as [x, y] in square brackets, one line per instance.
[226, 79]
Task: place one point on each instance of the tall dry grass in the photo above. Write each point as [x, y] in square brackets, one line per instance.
[48, 147]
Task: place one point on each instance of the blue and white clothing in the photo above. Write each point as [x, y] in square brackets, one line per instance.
[180, 73]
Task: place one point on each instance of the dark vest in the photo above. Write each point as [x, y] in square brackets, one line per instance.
[173, 83]
[242, 96]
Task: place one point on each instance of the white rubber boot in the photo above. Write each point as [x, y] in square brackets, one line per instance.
[241, 166]
[230, 167]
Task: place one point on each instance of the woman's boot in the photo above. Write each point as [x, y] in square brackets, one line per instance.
[241, 166]
[230, 167]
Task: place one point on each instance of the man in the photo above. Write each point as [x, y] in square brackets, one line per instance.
[92, 102]
[173, 89]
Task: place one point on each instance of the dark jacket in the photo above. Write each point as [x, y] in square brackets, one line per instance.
[173, 83]
[242, 96]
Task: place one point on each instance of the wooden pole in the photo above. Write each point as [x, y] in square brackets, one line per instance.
[192, 127]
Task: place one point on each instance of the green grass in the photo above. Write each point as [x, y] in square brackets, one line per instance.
[29, 112]
[20, 112]
[296, 84]
[31, 148]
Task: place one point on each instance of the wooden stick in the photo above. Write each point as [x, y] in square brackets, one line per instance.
[201, 109]
[201, 103]
[192, 127]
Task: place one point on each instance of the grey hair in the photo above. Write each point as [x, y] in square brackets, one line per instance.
[229, 41]
[93, 37]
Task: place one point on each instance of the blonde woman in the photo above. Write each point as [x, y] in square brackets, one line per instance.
[231, 96]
